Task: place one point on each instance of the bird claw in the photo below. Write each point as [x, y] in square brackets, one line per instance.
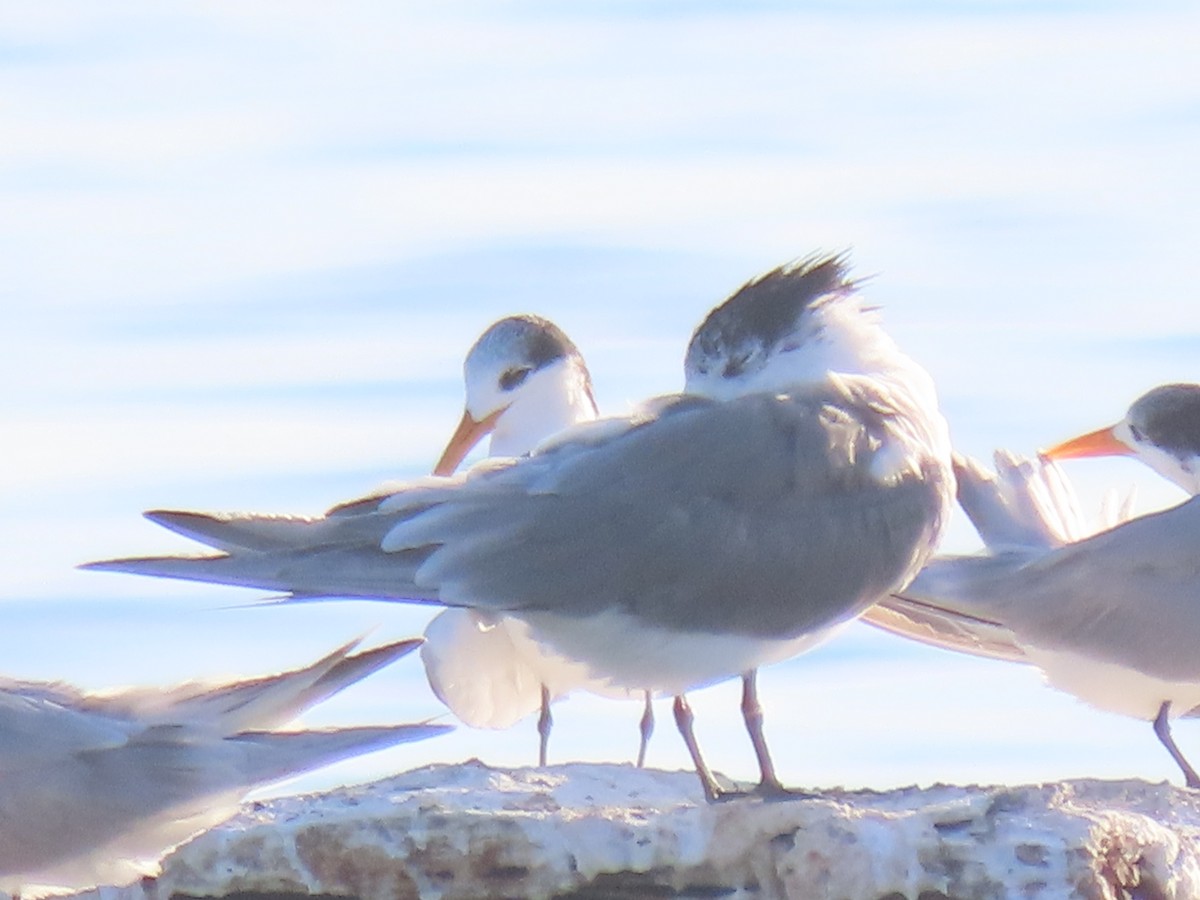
[774, 791]
[767, 791]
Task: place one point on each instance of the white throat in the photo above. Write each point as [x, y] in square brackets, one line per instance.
[1183, 472]
[551, 399]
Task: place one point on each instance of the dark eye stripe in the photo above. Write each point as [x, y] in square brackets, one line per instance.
[513, 377]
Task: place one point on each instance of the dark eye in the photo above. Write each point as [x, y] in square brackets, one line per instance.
[734, 366]
[513, 377]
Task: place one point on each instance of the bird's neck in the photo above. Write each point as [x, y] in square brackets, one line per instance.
[1184, 472]
[851, 344]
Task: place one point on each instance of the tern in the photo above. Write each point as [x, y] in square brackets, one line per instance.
[803, 474]
[1113, 618]
[97, 787]
[525, 381]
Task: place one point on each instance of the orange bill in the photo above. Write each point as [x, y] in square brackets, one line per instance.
[465, 437]
[1096, 443]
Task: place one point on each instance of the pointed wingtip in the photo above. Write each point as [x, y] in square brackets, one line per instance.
[161, 566]
[282, 754]
[196, 526]
[371, 736]
[394, 650]
[172, 518]
[375, 658]
[108, 565]
[428, 729]
[353, 668]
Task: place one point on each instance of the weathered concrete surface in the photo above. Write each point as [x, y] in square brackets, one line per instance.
[614, 831]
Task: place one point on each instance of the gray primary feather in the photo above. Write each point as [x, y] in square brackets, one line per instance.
[933, 609]
[257, 703]
[1085, 597]
[749, 516]
[35, 716]
[94, 787]
[264, 533]
[1104, 619]
[1021, 511]
[152, 792]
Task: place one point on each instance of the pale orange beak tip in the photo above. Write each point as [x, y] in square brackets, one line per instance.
[1102, 442]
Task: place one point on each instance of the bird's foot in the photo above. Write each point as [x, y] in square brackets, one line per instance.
[773, 791]
[724, 796]
[769, 791]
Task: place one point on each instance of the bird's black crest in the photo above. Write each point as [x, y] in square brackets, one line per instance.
[765, 309]
[1169, 416]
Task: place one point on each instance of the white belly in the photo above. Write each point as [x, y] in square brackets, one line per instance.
[631, 654]
[1112, 687]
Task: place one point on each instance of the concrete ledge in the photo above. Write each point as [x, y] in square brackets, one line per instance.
[594, 831]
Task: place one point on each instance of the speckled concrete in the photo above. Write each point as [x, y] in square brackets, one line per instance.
[614, 831]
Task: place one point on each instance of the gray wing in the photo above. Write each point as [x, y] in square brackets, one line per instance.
[252, 703]
[83, 816]
[1129, 596]
[40, 720]
[760, 515]
[34, 723]
[938, 615]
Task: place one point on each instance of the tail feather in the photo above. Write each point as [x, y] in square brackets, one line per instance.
[946, 628]
[271, 756]
[225, 709]
[362, 571]
[263, 703]
[249, 704]
[1022, 511]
